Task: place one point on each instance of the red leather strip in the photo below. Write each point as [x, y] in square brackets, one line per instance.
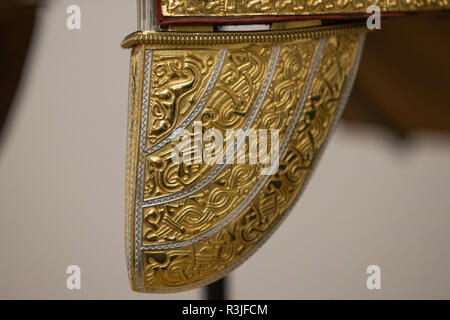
[159, 14]
[266, 19]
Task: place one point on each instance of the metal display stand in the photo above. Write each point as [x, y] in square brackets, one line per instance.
[217, 290]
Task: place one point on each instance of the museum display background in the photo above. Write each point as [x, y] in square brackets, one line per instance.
[62, 172]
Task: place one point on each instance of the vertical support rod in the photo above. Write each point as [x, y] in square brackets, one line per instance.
[217, 290]
[146, 15]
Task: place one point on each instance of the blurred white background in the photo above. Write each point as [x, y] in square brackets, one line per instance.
[62, 173]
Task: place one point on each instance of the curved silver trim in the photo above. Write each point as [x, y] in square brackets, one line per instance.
[260, 184]
[140, 175]
[197, 109]
[132, 151]
[215, 172]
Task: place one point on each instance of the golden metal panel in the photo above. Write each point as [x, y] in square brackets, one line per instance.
[193, 215]
[181, 243]
[239, 8]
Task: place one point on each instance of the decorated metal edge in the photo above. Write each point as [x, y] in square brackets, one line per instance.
[165, 39]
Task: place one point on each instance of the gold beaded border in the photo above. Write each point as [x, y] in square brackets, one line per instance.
[235, 38]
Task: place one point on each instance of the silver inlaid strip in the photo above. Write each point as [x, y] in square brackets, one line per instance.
[131, 151]
[197, 109]
[140, 176]
[260, 184]
[217, 170]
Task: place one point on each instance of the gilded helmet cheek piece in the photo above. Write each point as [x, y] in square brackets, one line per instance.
[189, 223]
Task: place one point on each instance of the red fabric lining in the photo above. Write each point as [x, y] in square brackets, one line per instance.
[159, 13]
